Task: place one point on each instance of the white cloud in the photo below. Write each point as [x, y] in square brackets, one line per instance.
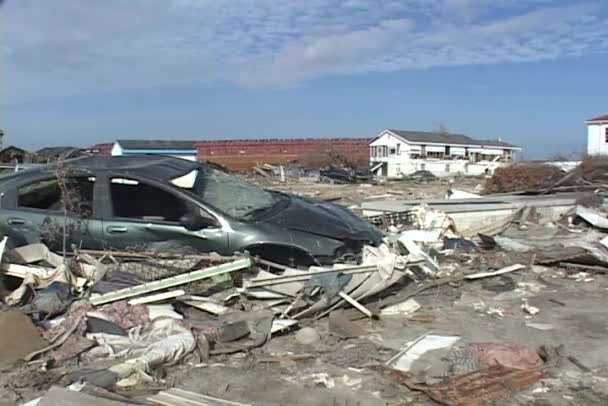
[62, 47]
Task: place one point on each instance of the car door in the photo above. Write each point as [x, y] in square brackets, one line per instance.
[146, 215]
[34, 212]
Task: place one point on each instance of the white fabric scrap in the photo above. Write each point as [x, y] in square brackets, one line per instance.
[163, 341]
[414, 351]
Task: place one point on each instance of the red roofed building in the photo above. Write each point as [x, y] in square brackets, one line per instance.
[597, 135]
[100, 149]
[241, 155]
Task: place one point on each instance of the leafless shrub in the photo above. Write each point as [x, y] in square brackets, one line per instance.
[593, 168]
[324, 157]
[74, 212]
[522, 177]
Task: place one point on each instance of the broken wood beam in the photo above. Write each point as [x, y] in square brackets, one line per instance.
[179, 397]
[281, 279]
[157, 297]
[508, 269]
[356, 304]
[173, 281]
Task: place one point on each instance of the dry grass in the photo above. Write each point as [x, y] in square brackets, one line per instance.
[522, 177]
[594, 169]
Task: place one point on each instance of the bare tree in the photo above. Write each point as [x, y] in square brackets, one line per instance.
[71, 204]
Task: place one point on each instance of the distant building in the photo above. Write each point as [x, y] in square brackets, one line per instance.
[50, 154]
[397, 153]
[179, 149]
[14, 154]
[597, 135]
[241, 155]
[100, 149]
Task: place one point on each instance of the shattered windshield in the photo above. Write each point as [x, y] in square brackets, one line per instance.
[229, 193]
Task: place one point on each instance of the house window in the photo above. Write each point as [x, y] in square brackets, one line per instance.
[606, 134]
[392, 151]
[433, 154]
[398, 168]
[398, 149]
[447, 167]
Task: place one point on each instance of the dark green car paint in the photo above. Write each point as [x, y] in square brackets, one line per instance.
[294, 230]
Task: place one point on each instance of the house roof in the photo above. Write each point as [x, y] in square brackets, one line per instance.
[157, 144]
[57, 151]
[420, 137]
[599, 118]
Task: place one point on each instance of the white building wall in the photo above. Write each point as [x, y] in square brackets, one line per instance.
[397, 154]
[399, 162]
[116, 149]
[597, 134]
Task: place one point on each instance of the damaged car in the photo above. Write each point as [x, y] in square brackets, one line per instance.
[161, 204]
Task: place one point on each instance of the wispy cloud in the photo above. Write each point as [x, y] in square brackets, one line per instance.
[62, 47]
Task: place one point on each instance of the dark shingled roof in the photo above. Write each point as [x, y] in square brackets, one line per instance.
[447, 138]
[599, 118]
[157, 144]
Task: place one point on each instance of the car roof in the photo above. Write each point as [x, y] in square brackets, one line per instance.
[149, 166]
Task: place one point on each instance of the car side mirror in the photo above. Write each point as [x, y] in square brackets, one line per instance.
[195, 222]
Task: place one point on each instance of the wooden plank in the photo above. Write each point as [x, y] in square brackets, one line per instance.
[172, 281]
[512, 268]
[202, 398]
[179, 397]
[281, 279]
[157, 297]
[57, 396]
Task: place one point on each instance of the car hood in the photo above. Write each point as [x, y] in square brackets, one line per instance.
[324, 219]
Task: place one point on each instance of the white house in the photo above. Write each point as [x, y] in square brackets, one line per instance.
[597, 135]
[396, 153]
[179, 149]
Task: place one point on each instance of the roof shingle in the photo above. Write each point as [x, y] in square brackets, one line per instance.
[599, 118]
[157, 144]
[447, 138]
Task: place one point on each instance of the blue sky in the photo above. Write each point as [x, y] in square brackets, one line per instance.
[81, 72]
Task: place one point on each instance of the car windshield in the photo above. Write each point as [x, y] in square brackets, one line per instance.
[229, 193]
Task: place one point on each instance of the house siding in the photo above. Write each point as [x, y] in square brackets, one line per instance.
[400, 158]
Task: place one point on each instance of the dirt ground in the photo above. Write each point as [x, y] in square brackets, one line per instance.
[486, 310]
[334, 371]
[352, 195]
[575, 311]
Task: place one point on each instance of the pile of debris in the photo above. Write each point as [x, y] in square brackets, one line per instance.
[538, 177]
[89, 326]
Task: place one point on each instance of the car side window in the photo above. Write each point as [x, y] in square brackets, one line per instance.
[132, 199]
[75, 194]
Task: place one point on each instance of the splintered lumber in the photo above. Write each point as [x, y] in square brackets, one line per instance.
[179, 397]
[177, 280]
[64, 397]
[306, 275]
[512, 268]
[157, 297]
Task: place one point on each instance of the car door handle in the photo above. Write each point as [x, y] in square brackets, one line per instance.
[15, 221]
[115, 229]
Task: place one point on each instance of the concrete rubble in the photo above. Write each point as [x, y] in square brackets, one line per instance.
[470, 299]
